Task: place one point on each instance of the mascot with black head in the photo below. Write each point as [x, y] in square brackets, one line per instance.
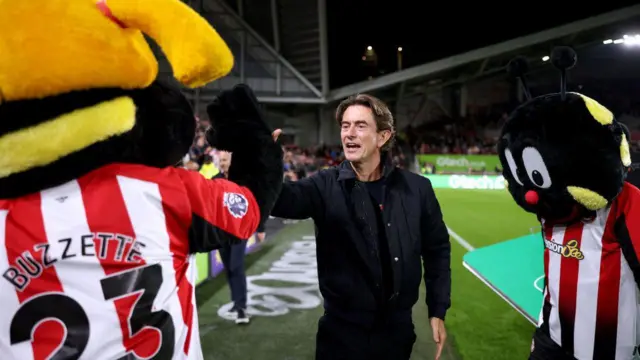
[98, 228]
[565, 159]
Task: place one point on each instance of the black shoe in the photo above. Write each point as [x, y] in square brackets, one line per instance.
[242, 317]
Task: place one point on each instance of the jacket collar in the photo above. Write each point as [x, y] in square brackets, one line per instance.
[346, 171]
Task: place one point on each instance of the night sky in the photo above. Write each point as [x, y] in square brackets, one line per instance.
[432, 30]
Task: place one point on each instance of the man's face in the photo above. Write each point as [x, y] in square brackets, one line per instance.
[200, 142]
[360, 138]
[224, 161]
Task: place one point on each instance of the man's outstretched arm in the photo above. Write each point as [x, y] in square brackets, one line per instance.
[300, 199]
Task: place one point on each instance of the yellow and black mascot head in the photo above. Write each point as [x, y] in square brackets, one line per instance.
[564, 155]
[78, 86]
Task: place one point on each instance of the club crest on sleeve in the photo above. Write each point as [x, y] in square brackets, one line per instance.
[237, 204]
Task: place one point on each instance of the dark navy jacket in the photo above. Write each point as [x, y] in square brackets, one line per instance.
[348, 271]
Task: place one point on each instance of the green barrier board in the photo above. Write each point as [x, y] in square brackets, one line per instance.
[460, 163]
[514, 270]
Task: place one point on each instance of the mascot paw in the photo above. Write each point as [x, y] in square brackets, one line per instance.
[236, 120]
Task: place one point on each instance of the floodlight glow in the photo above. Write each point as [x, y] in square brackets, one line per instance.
[545, 58]
[369, 48]
[632, 40]
[626, 39]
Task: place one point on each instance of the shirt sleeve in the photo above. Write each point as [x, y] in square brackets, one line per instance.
[222, 212]
[300, 199]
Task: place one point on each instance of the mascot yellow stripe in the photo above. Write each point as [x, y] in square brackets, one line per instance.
[605, 117]
[625, 154]
[600, 113]
[49, 141]
[589, 199]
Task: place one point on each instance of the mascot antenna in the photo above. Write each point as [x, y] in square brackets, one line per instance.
[563, 58]
[518, 68]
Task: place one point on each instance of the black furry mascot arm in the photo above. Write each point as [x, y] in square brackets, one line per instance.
[238, 126]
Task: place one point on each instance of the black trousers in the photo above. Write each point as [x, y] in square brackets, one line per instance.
[340, 340]
[232, 257]
[544, 348]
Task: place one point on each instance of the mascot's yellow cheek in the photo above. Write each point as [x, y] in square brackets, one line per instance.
[589, 199]
[47, 142]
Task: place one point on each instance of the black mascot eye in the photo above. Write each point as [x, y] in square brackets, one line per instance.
[537, 178]
[512, 165]
[536, 168]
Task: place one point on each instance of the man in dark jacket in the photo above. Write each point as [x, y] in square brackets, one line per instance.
[375, 227]
[233, 254]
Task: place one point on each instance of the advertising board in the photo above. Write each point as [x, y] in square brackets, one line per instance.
[479, 182]
[450, 163]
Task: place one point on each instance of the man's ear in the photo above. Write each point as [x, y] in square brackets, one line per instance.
[383, 137]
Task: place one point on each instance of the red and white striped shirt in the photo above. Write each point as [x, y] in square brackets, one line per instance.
[102, 267]
[591, 303]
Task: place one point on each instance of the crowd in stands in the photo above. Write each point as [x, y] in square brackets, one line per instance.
[479, 135]
[298, 162]
[459, 136]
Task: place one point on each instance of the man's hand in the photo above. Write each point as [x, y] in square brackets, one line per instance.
[439, 334]
[276, 134]
[261, 236]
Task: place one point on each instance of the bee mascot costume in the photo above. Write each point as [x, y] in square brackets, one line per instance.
[565, 159]
[98, 229]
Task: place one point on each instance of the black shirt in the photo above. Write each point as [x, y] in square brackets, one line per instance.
[376, 191]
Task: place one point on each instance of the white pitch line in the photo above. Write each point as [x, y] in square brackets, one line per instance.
[535, 283]
[460, 240]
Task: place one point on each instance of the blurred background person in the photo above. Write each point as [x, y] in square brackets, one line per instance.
[232, 256]
[208, 168]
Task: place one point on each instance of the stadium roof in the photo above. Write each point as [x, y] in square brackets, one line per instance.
[493, 58]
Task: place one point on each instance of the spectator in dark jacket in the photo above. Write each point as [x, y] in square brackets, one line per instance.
[375, 227]
[232, 256]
